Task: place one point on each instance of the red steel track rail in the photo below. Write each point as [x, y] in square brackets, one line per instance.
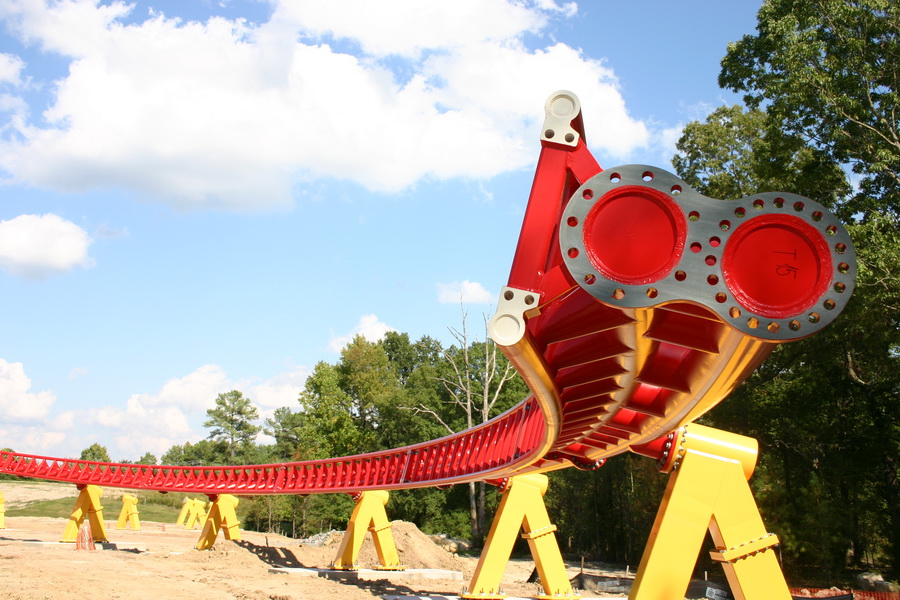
[634, 305]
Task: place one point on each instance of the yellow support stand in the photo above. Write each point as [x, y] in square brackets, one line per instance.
[221, 516]
[196, 513]
[708, 489]
[129, 514]
[2, 511]
[368, 515]
[186, 505]
[522, 506]
[88, 504]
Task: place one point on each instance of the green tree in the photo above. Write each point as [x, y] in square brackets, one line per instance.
[147, 459]
[828, 70]
[826, 409]
[231, 421]
[95, 452]
[204, 452]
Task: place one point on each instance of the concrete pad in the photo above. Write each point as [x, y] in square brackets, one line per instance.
[371, 574]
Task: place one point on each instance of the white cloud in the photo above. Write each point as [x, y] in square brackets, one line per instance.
[11, 69]
[17, 402]
[369, 326]
[193, 393]
[154, 422]
[465, 292]
[232, 115]
[408, 27]
[281, 390]
[37, 246]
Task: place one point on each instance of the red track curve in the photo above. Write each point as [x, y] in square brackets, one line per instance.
[634, 305]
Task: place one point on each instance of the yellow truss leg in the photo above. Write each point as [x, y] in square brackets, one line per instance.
[522, 506]
[186, 505]
[129, 514]
[88, 504]
[368, 515]
[708, 489]
[221, 516]
[196, 513]
[2, 511]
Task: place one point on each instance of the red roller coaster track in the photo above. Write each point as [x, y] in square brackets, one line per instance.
[634, 305]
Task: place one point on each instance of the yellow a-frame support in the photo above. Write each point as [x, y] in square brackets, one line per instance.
[368, 515]
[221, 516]
[195, 512]
[708, 489]
[522, 506]
[129, 514]
[88, 504]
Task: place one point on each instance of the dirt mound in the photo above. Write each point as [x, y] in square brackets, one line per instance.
[416, 550]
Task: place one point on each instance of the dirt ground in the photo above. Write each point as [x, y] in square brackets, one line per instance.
[159, 562]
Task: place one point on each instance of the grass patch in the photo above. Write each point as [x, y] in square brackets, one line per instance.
[61, 508]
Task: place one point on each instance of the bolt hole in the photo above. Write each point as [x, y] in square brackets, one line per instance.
[615, 178]
[696, 247]
[840, 247]
[817, 215]
[794, 325]
[570, 137]
[652, 292]
[508, 295]
[774, 327]
[721, 298]
[715, 242]
[758, 204]
[590, 278]
[680, 275]
[529, 299]
[734, 312]
[588, 194]
[739, 212]
[693, 216]
[647, 176]
[814, 317]
[752, 322]
[572, 221]
[779, 203]
[710, 260]
[573, 253]
[798, 206]
[829, 304]
[619, 294]
[831, 230]
[725, 225]
[840, 287]
[549, 134]
[712, 279]
[843, 267]
[676, 189]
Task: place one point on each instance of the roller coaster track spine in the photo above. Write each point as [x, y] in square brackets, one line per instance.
[634, 305]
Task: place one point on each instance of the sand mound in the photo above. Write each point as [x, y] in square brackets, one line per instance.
[416, 550]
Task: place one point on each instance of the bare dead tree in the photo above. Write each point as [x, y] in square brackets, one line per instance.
[474, 387]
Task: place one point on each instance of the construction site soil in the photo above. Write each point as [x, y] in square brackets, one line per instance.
[159, 561]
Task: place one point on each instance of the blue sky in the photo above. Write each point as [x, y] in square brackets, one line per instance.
[199, 195]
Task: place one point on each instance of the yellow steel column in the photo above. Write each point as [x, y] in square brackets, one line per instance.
[129, 514]
[221, 516]
[708, 489]
[186, 505]
[196, 513]
[88, 504]
[368, 515]
[522, 505]
[2, 511]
